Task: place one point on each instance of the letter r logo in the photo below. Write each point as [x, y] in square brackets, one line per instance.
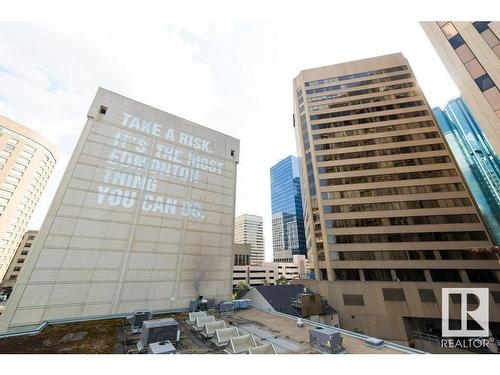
[480, 314]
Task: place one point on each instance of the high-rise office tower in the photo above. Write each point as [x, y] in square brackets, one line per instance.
[26, 162]
[476, 159]
[143, 219]
[286, 200]
[471, 53]
[389, 220]
[249, 229]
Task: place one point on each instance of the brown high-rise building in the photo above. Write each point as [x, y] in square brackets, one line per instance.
[389, 220]
[471, 53]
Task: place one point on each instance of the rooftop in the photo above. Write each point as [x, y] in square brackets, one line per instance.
[114, 336]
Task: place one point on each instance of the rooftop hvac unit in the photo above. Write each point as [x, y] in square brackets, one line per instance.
[326, 340]
[162, 347]
[138, 318]
[226, 307]
[193, 305]
[159, 330]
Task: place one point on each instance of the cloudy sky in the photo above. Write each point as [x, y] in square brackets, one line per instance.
[232, 77]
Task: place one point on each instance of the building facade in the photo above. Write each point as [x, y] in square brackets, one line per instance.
[17, 263]
[269, 273]
[477, 161]
[471, 53]
[242, 254]
[26, 162]
[143, 219]
[389, 220]
[286, 200]
[249, 229]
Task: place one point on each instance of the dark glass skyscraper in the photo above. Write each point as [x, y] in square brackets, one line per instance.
[476, 158]
[286, 200]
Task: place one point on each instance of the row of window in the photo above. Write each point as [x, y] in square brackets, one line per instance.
[412, 255]
[372, 90]
[402, 220]
[357, 84]
[382, 152]
[356, 75]
[404, 205]
[377, 141]
[400, 190]
[385, 164]
[408, 237]
[359, 111]
[376, 99]
[370, 120]
[388, 177]
[372, 130]
[437, 275]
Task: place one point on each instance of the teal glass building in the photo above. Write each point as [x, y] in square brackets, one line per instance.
[476, 159]
[286, 198]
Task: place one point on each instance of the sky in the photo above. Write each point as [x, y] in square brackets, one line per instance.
[234, 77]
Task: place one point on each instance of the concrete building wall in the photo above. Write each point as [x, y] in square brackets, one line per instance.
[478, 55]
[19, 259]
[143, 219]
[26, 162]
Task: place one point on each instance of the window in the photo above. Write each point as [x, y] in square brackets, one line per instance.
[103, 110]
[481, 276]
[353, 300]
[347, 274]
[410, 275]
[377, 275]
[24, 252]
[427, 295]
[17, 269]
[13, 277]
[445, 275]
[456, 41]
[449, 30]
[393, 294]
[481, 25]
[475, 69]
[484, 82]
[20, 260]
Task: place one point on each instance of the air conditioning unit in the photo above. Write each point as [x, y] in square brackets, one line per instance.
[326, 340]
[138, 318]
[159, 330]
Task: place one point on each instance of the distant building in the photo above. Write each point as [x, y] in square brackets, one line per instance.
[288, 220]
[18, 261]
[476, 159]
[249, 229]
[26, 162]
[269, 273]
[242, 254]
[471, 53]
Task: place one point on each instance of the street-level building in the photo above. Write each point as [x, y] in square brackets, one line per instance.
[143, 219]
[389, 219]
[26, 162]
[471, 53]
